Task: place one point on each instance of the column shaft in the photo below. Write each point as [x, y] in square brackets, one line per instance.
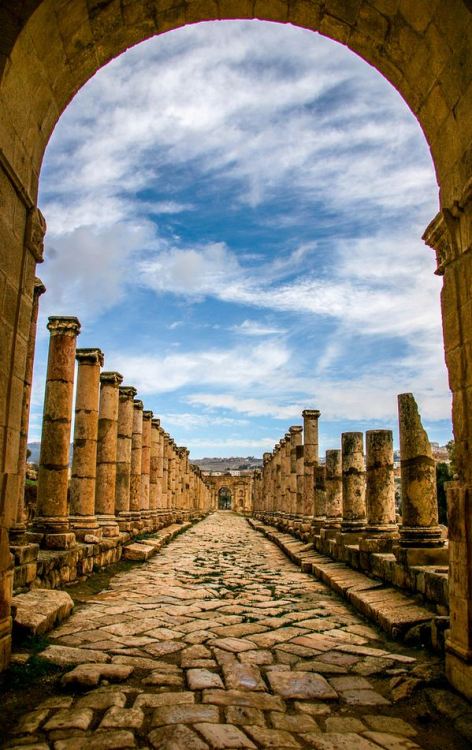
[334, 489]
[380, 486]
[136, 464]
[354, 510]
[123, 456]
[107, 448]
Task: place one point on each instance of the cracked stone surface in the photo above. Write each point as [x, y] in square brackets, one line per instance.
[221, 642]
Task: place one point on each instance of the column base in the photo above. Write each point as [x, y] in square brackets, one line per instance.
[86, 526]
[421, 536]
[421, 555]
[63, 541]
[124, 521]
[353, 527]
[459, 670]
[108, 525]
[52, 532]
[17, 535]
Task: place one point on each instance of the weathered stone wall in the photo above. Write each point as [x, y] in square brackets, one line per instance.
[241, 489]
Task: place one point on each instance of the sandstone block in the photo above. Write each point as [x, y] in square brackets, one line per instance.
[175, 738]
[301, 685]
[222, 736]
[64, 656]
[185, 714]
[38, 611]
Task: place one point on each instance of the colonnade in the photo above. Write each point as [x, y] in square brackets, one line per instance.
[349, 497]
[128, 474]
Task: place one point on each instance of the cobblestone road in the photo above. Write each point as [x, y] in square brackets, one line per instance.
[221, 642]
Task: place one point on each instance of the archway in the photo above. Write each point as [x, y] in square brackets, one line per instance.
[51, 49]
[225, 499]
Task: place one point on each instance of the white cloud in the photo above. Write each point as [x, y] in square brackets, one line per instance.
[255, 328]
[253, 407]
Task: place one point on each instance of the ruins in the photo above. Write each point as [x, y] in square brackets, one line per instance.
[132, 487]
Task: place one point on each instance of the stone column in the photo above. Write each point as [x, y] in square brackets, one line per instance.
[319, 516]
[136, 465]
[146, 469]
[123, 457]
[107, 446]
[286, 469]
[165, 475]
[310, 441]
[84, 461]
[295, 441]
[52, 521]
[154, 479]
[162, 492]
[299, 452]
[17, 532]
[265, 480]
[380, 486]
[420, 527]
[354, 509]
[334, 489]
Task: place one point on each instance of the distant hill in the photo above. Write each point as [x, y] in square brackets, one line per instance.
[234, 463]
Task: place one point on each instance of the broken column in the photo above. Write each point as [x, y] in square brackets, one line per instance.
[380, 483]
[18, 530]
[353, 466]
[146, 469]
[420, 534]
[123, 456]
[136, 465]
[84, 461]
[52, 524]
[310, 441]
[107, 446]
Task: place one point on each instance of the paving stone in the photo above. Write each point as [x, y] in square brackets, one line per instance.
[98, 741]
[235, 645]
[389, 724]
[99, 701]
[30, 722]
[314, 709]
[91, 674]
[122, 718]
[73, 718]
[391, 741]
[244, 715]
[260, 657]
[39, 610]
[178, 737]
[340, 724]
[304, 685]
[272, 738]
[347, 741]
[154, 700]
[185, 714]
[243, 677]
[294, 722]
[363, 698]
[57, 701]
[65, 656]
[350, 682]
[221, 736]
[264, 701]
[199, 679]
[166, 678]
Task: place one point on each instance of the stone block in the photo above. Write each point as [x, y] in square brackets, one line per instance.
[137, 551]
[38, 611]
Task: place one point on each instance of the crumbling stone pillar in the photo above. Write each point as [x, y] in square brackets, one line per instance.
[310, 441]
[107, 448]
[334, 489]
[165, 474]
[84, 460]
[123, 457]
[266, 457]
[299, 452]
[52, 525]
[18, 530]
[286, 470]
[146, 468]
[420, 527]
[380, 485]
[354, 508]
[136, 465]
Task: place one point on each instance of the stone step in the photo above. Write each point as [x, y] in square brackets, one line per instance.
[40, 610]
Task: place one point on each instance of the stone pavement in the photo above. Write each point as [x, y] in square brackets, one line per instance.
[221, 642]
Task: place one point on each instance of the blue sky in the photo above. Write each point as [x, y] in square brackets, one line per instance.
[234, 213]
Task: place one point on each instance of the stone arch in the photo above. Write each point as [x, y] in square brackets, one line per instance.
[225, 498]
[50, 48]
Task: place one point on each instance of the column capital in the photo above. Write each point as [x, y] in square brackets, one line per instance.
[89, 357]
[156, 423]
[295, 429]
[439, 237]
[311, 414]
[63, 325]
[35, 232]
[138, 404]
[38, 288]
[111, 378]
[127, 392]
[147, 414]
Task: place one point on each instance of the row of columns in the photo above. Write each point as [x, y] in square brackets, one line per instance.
[127, 473]
[351, 491]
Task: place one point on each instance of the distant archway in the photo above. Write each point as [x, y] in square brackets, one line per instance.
[225, 499]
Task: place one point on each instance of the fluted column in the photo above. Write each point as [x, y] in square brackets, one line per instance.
[380, 485]
[420, 526]
[52, 521]
[123, 456]
[136, 464]
[17, 531]
[105, 488]
[354, 509]
[334, 489]
[146, 468]
[310, 442]
[84, 461]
